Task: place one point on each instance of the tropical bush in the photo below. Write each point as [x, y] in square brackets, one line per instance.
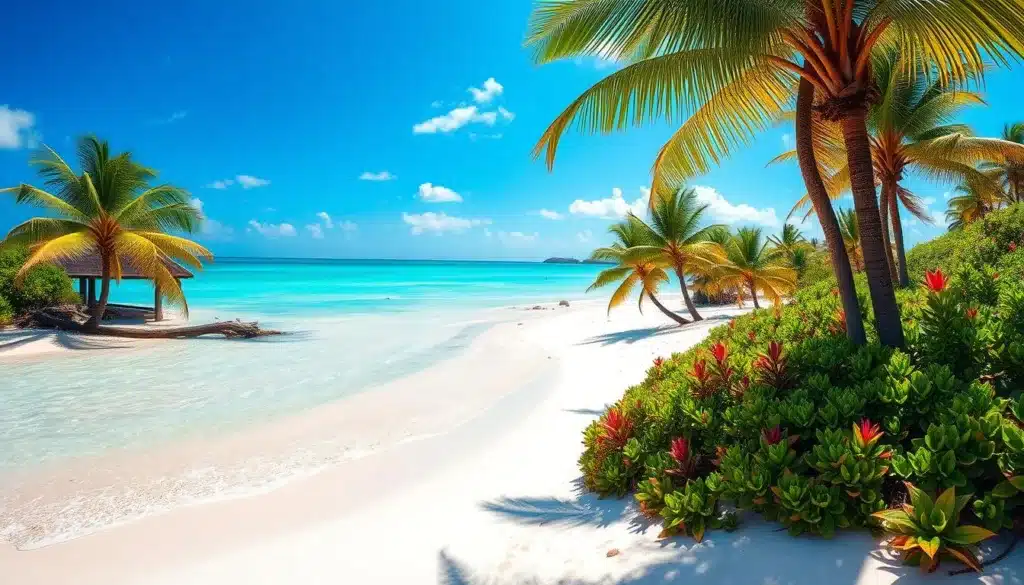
[43, 285]
[995, 241]
[778, 413]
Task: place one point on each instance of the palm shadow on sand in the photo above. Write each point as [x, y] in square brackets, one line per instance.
[630, 336]
[756, 554]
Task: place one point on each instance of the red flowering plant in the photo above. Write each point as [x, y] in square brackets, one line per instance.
[770, 367]
[685, 461]
[948, 332]
[616, 429]
[936, 281]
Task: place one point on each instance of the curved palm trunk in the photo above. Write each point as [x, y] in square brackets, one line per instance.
[901, 252]
[686, 296]
[753, 293]
[826, 215]
[862, 181]
[665, 310]
[888, 194]
[101, 306]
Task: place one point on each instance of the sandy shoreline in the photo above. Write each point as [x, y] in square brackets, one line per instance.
[477, 494]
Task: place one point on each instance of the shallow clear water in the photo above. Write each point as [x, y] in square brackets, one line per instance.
[358, 323]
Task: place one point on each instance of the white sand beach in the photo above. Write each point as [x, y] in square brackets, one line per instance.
[467, 475]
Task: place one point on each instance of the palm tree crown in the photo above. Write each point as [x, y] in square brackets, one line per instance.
[675, 231]
[756, 265]
[635, 265]
[110, 208]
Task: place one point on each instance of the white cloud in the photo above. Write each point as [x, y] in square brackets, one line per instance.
[381, 176]
[215, 230]
[245, 181]
[928, 200]
[490, 90]
[613, 207]
[251, 182]
[272, 230]
[16, 128]
[326, 219]
[584, 236]
[197, 203]
[348, 226]
[436, 104]
[438, 194]
[221, 184]
[720, 209]
[947, 195]
[439, 223]
[454, 120]
[505, 114]
[787, 141]
[517, 239]
[176, 116]
[548, 214]
[315, 231]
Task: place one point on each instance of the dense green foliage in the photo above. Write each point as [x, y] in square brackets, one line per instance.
[778, 413]
[990, 241]
[42, 286]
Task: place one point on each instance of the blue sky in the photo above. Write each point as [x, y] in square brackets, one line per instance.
[276, 116]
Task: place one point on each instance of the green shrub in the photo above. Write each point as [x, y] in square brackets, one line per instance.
[778, 413]
[43, 286]
[987, 241]
[6, 312]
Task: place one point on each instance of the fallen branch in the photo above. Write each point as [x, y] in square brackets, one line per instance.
[229, 329]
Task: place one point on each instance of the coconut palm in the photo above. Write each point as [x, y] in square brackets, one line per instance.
[730, 68]
[110, 208]
[850, 229]
[755, 265]
[1010, 173]
[676, 233]
[970, 205]
[912, 132]
[790, 240]
[636, 265]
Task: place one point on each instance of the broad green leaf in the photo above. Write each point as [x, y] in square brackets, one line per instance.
[930, 546]
[968, 534]
[946, 501]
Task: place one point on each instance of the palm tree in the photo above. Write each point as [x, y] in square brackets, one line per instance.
[110, 208]
[636, 265]
[1010, 172]
[754, 264]
[851, 237]
[911, 131]
[675, 232]
[731, 69]
[970, 205]
[789, 240]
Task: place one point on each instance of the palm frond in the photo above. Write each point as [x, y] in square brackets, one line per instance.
[72, 245]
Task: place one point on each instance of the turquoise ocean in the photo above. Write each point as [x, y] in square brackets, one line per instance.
[352, 324]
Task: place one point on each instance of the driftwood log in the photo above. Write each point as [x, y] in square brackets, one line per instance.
[70, 320]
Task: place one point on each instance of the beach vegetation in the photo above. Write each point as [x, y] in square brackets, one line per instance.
[927, 530]
[781, 415]
[731, 74]
[110, 207]
[42, 286]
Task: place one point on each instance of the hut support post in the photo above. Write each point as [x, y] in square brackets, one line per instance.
[158, 304]
[83, 289]
[92, 293]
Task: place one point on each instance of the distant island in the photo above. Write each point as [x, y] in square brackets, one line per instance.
[574, 261]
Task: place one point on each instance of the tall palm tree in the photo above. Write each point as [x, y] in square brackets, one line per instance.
[676, 233]
[635, 266]
[1010, 172]
[110, 208]
[789, 240]
[970, 205]
[912, 132]
[732, 66]
[851, 237]
[757, 266]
